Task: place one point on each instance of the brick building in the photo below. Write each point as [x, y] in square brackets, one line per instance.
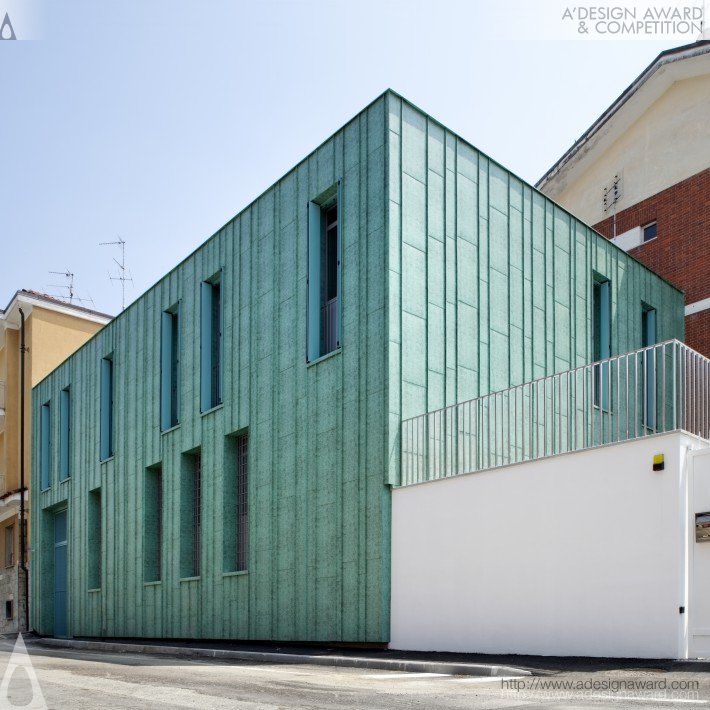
[641, 176]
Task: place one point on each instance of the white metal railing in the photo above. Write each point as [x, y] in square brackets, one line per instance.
[661, 388]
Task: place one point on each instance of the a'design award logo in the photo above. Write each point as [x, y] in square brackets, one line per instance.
[7, 31]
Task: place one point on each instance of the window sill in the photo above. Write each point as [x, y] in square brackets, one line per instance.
[236, 573]
[96, 590]
[214, 409]
[190, 579]
[155, 583]
[172, 428]
[322, 358]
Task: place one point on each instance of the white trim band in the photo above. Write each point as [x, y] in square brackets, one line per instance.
[697, 307]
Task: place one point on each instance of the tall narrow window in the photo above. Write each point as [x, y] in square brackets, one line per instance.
[153, 524]
[45, 433]
[191, 515]
[601, 332]
[324, 274]
[211, 344]
[236, 503]
[170, 369]
[242, 502]
[95, 541]
[107, 418]
[64, 434]
[649, 338]
[9, 546]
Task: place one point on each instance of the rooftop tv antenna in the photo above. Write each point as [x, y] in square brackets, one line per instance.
[71, 296]
[123, 274]
[612, 194]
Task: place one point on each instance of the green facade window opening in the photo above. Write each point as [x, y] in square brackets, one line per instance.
[64, 434]
[94, 539]
[107, 408]
[324, 274]
[153, 525]
[170, 369]
[45, 461]
[601, 334]
[211, 369]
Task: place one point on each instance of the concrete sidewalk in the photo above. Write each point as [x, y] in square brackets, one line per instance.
[372, 658]
[348, 658]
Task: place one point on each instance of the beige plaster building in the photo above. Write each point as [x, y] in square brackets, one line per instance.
[53, 330]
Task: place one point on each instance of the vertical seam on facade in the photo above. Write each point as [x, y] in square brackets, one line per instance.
[426, 275]
[275, 354]
[510, 287]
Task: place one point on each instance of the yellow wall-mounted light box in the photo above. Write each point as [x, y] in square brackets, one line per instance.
[659, 462]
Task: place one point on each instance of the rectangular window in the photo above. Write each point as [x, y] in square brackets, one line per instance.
[648, 338]
[64, 434]
[211, 344]
[324, 274]
[601, 333]
[236, 503]
[170, 369]
[107, 418]
[9, 546]
[8, 609]
[153, 524]
[650, 231]
[94, 541]
[191, 515]
[45, 433]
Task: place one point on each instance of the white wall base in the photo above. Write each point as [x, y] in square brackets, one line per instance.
[577, 555]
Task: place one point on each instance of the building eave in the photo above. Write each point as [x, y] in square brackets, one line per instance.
[668, 56]
[26, 299]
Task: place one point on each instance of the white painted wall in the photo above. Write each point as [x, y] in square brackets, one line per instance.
[699, 558]
[669, 142]
[582, 554]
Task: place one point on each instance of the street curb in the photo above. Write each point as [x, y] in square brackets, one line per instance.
[385, 664]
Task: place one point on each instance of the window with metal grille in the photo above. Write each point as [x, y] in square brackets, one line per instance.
[242, 503]
[95, 541]
[324, 273]
[236, 503]
[153, 524]
[191, 515]
[169, 369]
[9, 546]
[211, 344]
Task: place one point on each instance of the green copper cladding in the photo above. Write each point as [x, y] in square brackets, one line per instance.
[455, 279]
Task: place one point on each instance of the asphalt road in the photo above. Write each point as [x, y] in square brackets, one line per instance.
[82, 679]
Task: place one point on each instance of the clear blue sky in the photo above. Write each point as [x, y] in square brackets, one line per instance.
[158, 121]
